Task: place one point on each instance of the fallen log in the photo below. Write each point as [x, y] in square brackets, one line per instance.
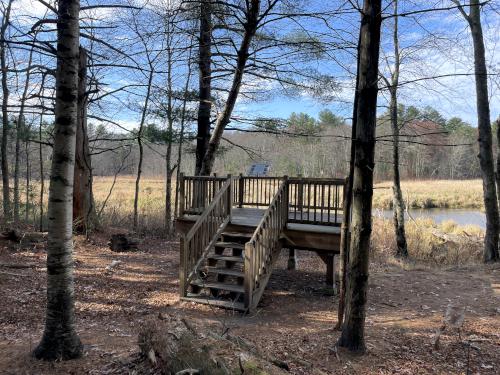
[176, 346]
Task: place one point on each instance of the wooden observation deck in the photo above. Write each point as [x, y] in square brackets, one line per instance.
[233, 229]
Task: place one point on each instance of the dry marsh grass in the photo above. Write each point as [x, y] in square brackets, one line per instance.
[433, 194]
[444, 244]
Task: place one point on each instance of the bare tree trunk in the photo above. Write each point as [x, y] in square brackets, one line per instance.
[17, 155]
[42, 173]
[181, 135]
[170, 134]
[82, 187]
[141, 147]
[60, 340]
[346, 219]
[28, 181]
[398, 202]
[352, 336]
[20, 128]
[224, 118]
[5, 114]
[485, 136]
[205, 82]
[498, 159]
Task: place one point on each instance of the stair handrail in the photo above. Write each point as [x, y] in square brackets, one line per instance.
[263, 248]
[196, 244]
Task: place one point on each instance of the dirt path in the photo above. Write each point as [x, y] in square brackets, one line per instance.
[294, 322]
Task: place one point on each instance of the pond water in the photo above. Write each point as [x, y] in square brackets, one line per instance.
[459, 216]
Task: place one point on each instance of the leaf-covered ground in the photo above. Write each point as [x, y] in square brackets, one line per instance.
[294, 323]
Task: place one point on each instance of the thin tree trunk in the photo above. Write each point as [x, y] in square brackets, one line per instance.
[205, 82]
[353, 327]
[60, 340]
[398, 202]
[485, 139]
[5, 113]
[28, 181]
[181, 135]
[498, 159]
[17, 162]
[82, 187]
[170, 134]
[141, 148]
[42, 173]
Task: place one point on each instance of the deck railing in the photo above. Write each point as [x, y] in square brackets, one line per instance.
[316, 200]
[311, 200]
[196, 244]
[256, 191]
[196, 193]
[263, 248]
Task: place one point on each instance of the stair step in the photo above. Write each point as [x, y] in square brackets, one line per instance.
[226, 271]
[240, 306]
[238, 235]
[229, 245]
[219, 286]
[227, 258]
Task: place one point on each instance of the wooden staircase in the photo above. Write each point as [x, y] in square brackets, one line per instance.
[231, 269]
[220, 280]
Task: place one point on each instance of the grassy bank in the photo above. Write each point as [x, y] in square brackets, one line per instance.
[433, 194]
[435, 244]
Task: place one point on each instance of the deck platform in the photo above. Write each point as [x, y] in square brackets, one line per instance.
[233, 229]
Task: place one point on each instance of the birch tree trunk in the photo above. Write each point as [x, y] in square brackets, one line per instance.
[5, 114]
[353, 327]
[224, 118]
[485, 139]
[60, 340]
[82, 187]
[205, 82]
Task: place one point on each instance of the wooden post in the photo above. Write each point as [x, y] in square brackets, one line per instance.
[241, 190]
[182, 194]
[300, 195]
[286, 199]
[230, 196]
[182, 268]
[249, 276]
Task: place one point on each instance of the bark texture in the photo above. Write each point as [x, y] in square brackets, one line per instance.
[224, 118]
[205, 82]
[397, 194]
[5, 113]
[485, 139]
[352, 336]
[82, 190]
[60, 340]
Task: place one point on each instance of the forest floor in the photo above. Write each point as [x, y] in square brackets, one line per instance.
[294, 322]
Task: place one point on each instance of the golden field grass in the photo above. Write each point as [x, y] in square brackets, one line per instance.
[432, 194]
[443, 244]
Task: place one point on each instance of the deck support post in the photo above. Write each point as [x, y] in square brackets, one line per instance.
[292, 260]
[182, 268]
